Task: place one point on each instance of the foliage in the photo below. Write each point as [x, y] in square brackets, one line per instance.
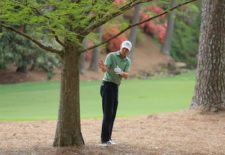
[110, 30]
[16, 49]
[48, 62]
[53, 16]
[156, 28]
[185, 38]
[186, 32]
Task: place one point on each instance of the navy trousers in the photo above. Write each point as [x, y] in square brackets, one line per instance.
[109, 94]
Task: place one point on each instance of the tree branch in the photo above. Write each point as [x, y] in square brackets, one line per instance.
[50, 49]
[59, 41]
[139, 23]
[108, 17]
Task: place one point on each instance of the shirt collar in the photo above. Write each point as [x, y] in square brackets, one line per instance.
[118, 54]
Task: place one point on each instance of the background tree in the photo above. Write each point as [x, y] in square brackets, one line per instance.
[185, 39]
[82, 57]
[133, 31]
[96, 51]
[166, 46]
[210, 80]
[15, 49]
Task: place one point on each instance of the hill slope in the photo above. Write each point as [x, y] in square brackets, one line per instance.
[147, 59]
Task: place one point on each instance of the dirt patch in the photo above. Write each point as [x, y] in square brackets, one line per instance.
[178, 133]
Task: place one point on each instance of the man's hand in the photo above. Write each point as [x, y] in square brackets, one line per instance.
[118, 70]
[102, 66]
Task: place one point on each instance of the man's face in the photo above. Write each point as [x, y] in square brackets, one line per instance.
[124, 52]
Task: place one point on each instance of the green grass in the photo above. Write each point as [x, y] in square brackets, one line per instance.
[39, 100]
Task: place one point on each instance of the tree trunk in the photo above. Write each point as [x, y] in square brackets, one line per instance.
[133, 32]
[169, 31]
[68, 132]
[96, 51]
[210, 80]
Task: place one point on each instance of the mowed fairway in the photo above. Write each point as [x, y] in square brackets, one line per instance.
[40, 100]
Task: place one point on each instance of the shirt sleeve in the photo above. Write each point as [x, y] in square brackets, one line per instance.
[108, 60]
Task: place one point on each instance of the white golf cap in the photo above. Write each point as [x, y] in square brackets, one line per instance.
[126, 44]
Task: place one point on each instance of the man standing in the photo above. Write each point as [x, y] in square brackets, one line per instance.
[115, 67]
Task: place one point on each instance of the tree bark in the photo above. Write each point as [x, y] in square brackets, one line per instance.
[210, 80]
[68, 132]
[169, 31]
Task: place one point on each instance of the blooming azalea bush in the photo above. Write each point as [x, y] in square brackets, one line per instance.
[114, 44]
[157, 27]
[118, 2]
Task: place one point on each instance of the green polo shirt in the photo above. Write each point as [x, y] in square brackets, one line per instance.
[112, 61]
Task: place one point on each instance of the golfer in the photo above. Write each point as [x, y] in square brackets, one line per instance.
[115, 67]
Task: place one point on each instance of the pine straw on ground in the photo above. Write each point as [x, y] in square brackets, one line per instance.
[181, 133]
